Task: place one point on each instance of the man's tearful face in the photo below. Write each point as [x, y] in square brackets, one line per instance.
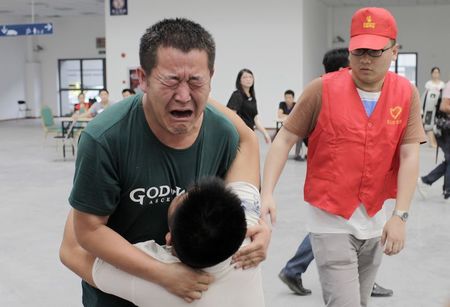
[178, 90]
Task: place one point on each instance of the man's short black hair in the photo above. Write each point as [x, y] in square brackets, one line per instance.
[129, 90]
[335, 59]
[289, 92]
[209, 225]
[179, 33]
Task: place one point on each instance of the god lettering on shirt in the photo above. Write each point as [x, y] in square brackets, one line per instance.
[155, 195]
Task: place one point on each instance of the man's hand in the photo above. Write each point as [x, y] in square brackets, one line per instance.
[256, 252]
[187, 283]
[393, 237]
[269, 207]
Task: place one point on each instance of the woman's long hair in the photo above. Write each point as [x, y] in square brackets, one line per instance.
[239, 85]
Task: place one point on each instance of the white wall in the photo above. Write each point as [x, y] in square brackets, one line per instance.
[73, 37]
[12, 71]
[422, 29]
[265, 37]
[315, 39]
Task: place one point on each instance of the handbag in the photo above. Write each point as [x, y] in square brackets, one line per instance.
[442, 122]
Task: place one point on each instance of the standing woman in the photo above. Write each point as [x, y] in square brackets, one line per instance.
[435, 82]
[243, 101]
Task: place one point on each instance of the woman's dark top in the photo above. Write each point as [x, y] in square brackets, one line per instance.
[244, 106]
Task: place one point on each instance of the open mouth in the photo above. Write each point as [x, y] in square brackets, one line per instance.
[181, 114]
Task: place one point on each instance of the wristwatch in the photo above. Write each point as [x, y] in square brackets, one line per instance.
[401, 214]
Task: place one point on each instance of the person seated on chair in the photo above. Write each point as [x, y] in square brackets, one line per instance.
[284, 108]
[98, 106]
[202, 243]
[82, 106]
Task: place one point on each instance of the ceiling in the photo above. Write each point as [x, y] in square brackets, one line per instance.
[382, 3]
[59, 8]
[51, 8]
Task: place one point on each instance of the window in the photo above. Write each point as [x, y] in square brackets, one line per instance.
[406, 66]
[76, 76]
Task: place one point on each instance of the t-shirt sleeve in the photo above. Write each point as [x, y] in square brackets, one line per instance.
[96, 187]
[235, 101]
[280, 106]
[414, 130]
[303, 118]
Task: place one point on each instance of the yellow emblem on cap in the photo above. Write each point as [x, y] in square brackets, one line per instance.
[369, 23]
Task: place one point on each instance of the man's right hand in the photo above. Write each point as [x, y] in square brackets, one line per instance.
[187, 283]
[268, 207]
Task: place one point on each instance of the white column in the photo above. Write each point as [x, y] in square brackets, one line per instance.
[33, 84]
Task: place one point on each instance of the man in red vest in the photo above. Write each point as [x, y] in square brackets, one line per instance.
[364, 131]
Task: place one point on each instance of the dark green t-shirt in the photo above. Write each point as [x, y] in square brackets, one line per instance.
[124, 171]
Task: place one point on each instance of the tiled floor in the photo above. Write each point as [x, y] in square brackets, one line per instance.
[35, 182]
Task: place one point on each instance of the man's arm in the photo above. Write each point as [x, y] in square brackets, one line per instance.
[245, 167]
[393, 236]
[73, 256]
[299, 123]
[274, 164]
[101, 241]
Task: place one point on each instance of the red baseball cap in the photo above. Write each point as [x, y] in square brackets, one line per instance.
[371, 28]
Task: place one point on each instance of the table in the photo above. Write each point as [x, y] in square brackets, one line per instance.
[68, 126]
[279, 124]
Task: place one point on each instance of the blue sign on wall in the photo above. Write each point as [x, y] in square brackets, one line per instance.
[26, 29]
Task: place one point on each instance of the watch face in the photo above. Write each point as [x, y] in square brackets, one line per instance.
[405, 216]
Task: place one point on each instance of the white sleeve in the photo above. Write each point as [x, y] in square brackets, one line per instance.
[250, 198]
[140, 292]
[111, 280]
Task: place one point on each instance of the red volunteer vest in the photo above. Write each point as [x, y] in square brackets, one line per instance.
[352, 158]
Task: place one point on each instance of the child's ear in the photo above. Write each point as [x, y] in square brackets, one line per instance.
[168, 239]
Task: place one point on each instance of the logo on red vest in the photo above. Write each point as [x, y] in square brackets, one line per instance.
[395, 113]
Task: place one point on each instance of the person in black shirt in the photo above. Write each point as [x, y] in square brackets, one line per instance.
[284, 108]
[243, 101]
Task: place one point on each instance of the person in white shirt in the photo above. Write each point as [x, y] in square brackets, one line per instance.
[435, 83]
[206, 243]
[98, 107]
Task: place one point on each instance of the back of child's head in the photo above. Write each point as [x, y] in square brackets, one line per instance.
[209, 225]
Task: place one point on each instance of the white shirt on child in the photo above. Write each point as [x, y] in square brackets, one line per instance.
[231, 287]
